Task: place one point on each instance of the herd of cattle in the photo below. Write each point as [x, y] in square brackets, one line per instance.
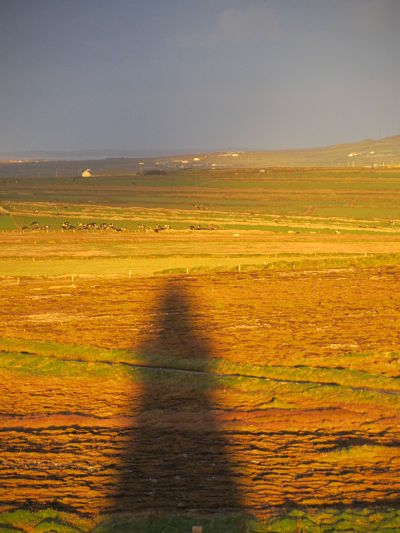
[202, 207]
[90, 226]
[104, 226]
[199, 227]
[67, 226]
[35, 226]
[157, 229]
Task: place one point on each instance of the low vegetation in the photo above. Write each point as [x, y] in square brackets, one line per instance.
[230, 359]
[310, 521]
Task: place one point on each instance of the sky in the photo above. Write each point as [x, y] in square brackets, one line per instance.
[197, 75]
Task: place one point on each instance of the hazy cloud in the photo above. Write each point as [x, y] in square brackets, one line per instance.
[211, 74]
[236, 25]
[376, 15]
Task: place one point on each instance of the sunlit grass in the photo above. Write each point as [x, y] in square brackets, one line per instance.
[296, 521]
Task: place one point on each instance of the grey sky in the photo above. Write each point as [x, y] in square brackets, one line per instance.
[221, 74]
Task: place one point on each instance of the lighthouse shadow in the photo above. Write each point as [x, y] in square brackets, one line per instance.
[177, 454]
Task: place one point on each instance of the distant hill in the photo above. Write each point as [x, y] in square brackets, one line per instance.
[365, 153]
[370, 152]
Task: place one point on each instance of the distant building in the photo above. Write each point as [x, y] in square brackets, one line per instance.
[87, 173]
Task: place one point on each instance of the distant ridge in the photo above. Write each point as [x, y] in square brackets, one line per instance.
[82, 155]
[365, 153]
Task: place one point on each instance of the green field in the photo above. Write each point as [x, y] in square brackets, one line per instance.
[351, 193]
[244, 220]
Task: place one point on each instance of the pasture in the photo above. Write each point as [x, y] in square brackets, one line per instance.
[350, 193]
[242, 375]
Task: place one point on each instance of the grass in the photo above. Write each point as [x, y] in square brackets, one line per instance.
[149, 265]
[287, 384]
[359, 193]
[290, 396]
[43, 521]
[90, 354]
[182, 220]
[173, 524]
[318, 520]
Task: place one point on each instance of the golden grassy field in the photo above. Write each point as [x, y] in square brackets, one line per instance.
[201, 373]
[289, 379]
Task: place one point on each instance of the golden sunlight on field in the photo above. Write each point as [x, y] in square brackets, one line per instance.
[280, 387]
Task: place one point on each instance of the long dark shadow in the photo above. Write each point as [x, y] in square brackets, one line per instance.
[176, 454]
